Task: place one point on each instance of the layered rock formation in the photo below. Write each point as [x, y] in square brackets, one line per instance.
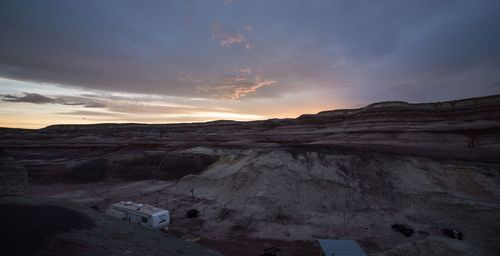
[348, 174]
[466, 129]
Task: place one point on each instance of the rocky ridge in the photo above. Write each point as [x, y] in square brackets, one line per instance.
[348, 174]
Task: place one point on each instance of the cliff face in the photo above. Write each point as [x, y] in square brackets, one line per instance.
[464, 129]
[460, 130]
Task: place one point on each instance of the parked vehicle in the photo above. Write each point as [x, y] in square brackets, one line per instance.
[143, 214]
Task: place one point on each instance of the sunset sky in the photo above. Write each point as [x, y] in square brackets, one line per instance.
[189, 61]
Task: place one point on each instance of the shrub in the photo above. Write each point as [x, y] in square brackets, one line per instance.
[192, 213]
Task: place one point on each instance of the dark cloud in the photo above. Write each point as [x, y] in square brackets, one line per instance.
[36, 98]
[454, 53]
[91, 45]
[94, 105]
[361, 50]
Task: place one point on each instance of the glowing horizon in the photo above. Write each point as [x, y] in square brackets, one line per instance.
[61, 105]
[195, 61]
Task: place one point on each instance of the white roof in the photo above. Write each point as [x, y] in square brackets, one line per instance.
[142, 209]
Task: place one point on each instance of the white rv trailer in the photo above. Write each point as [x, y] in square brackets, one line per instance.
[143, 214]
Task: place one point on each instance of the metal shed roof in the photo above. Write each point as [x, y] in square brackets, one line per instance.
[341, 248]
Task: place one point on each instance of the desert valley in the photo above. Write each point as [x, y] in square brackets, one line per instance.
[249, 128]
[342, 174]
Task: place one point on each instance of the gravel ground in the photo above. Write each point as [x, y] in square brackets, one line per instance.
[42, 226]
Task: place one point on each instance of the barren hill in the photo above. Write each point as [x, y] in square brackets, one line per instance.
[346, 174]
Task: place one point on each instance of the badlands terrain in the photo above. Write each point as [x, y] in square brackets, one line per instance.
[341, 174]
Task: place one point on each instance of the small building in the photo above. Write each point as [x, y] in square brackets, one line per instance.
[143, 214]
[340, 248]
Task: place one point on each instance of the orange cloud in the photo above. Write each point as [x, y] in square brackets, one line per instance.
[236, 87]
[243, 91]
[228, 37]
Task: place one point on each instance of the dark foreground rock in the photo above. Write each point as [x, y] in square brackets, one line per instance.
[39, 226]
[453, 233]
[13, 176]
[406, 231]
[28, 229]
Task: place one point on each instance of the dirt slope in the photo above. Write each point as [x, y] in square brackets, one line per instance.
[41, 226]
[296, 194]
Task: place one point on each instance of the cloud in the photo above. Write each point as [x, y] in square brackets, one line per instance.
[92, 105]
[239, 92]
[90, 113]
[249, 46]
[428, 50]
[245, 71]
[232, 39]
[237, 86]
[228, 37]
[248, 28]
[36, 98]
[441, 57]
[190, 78]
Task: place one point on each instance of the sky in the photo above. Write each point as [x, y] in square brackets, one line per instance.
[107, 61]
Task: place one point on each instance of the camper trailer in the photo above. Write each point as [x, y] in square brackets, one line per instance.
[143, 214]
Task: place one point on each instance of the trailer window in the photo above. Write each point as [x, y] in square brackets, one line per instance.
[162, 218]
[144, 219]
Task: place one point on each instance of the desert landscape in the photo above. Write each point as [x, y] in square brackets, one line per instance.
[342, 174]
[249, 128]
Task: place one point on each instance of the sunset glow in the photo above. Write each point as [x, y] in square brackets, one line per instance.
[194, 61]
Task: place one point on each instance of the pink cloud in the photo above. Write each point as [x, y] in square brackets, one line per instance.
[237, 86]
[228, 37]
[258, 83]
[232, 39]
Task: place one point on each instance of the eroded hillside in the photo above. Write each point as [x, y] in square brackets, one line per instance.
[346, 174]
